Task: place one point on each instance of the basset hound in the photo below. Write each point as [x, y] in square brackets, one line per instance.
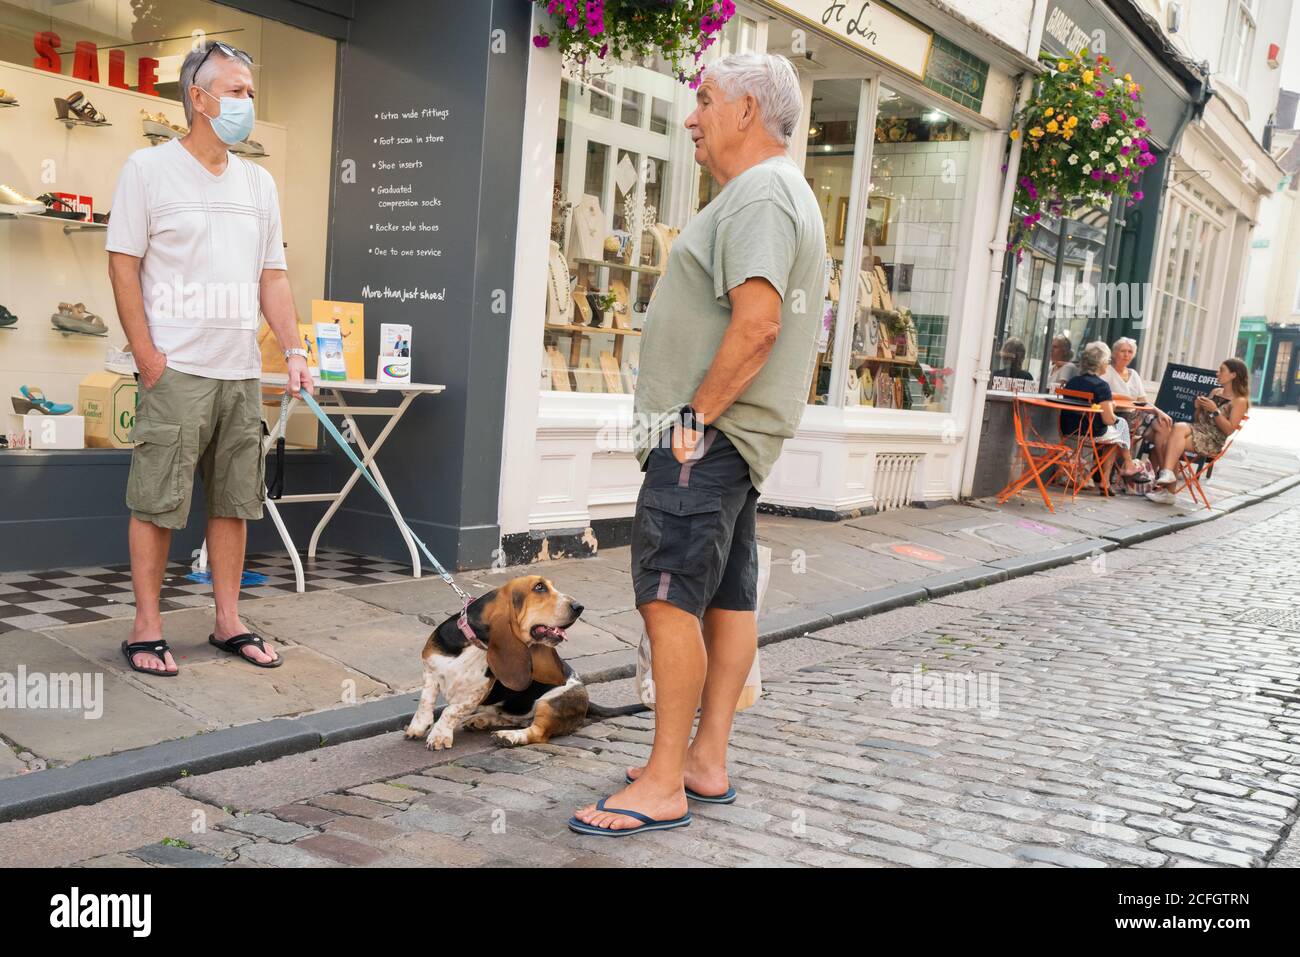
[514, 680]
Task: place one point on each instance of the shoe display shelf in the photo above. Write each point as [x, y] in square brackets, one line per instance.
[69, 225]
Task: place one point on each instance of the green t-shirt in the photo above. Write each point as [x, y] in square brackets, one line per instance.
[765, 222]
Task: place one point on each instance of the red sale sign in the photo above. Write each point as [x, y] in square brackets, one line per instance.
[85, 64]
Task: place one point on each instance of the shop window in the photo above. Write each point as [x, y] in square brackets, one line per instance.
[132, 80]
[614, 218]
[1046, 305]
[900, 346]
[1180, 315]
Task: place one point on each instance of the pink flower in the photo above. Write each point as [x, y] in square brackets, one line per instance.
[1140, 123]
[541, 40]
[1139, 196]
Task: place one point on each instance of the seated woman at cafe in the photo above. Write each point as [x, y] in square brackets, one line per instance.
[1063, 370]
[1092, 367]
[1013, 354]
[1147, 424]
[1217, 416]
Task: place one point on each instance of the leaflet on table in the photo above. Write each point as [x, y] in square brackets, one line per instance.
[329, 342]
[394, 353]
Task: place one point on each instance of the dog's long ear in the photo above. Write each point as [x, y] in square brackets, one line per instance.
[507, 653]
[546, 666]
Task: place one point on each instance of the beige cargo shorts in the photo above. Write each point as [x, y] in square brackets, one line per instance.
[186, 421]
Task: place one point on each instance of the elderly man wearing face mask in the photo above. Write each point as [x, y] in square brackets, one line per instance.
[195, 252]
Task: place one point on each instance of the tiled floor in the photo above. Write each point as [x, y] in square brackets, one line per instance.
[47, 599]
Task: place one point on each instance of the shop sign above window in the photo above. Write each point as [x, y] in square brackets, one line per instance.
[85, 64]
[871, 27]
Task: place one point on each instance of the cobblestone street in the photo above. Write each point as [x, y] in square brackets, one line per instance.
[1137, 708]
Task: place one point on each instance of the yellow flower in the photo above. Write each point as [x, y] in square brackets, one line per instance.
[1067, 133]
[1062, 66]
[1053, 126]
[1072, 122]
[1048, 112]
[1128, 78]
[1036, 132]
[1015, 134]
[1088, 76]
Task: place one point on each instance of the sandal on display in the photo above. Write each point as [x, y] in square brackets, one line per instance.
[74, 318]
[7, 97]
[7, 318]
[77, 107]
[249, 148]
[59, 208]
[14, 202]
[157, 124]
[32, 399]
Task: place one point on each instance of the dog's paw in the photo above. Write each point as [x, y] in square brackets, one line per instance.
[511, 739]
[479, 722]
[414, 731]
[439, 739]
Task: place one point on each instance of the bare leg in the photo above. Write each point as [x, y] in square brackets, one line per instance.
[148, 545]
[226, 537]
[680, 663]
[1179, 441]
[731, 640]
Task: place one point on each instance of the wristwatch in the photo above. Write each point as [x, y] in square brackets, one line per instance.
[294, 352]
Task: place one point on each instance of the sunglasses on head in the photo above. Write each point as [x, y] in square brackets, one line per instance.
[227, 50]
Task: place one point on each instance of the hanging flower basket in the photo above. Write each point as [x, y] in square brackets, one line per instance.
[678, 30]
[1085, 142]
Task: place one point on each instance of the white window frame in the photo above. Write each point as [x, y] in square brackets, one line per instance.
[1239, 42]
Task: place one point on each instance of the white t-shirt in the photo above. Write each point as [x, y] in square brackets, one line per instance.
[1133, 388]
[203, 241]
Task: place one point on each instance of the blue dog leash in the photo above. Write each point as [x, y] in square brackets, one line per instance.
[465, 598]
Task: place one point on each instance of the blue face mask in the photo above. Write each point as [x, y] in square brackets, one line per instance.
[235, 122]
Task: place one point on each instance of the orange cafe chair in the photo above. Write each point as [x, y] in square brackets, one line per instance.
[1039, 456]
[1193, 466]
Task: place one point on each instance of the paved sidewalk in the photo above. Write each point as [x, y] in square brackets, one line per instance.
[1139, 710]
[347, 645]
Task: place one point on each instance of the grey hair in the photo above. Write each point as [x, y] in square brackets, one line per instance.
[769, 79]
[188, 78]
[1094, 356]
[1069, 346]
[1125, 341]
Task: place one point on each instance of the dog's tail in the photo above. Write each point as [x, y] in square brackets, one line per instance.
[600, 711]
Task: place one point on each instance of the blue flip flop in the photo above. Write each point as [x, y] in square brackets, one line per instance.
[647, 823]
[729, 797]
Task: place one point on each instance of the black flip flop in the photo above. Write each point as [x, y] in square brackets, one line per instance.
[156, 648]
[233, 646]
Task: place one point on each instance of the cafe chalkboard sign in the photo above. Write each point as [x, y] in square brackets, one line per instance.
[1180, 387]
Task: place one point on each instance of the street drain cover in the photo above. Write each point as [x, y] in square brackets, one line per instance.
[1283, 619]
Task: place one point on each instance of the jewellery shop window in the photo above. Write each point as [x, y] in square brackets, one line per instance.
[621, 152]
[899, 348]
[82, 87]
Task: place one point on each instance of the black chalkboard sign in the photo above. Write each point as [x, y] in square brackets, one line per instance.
[1180, 387]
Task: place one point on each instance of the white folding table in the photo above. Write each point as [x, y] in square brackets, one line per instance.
[336, 398]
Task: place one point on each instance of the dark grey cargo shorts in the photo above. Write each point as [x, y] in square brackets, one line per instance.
[694, 537]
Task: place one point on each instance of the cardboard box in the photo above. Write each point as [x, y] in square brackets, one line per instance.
[108, 401]
[53, 431]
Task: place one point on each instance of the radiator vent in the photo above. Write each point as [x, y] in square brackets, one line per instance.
[895, 479]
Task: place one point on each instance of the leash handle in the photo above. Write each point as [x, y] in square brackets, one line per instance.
[464, 596]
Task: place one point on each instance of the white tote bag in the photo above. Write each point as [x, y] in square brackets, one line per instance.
[645, 683]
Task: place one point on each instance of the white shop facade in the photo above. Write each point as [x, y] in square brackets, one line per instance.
[906, 111]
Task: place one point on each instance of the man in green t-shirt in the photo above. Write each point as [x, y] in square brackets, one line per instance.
[725, 365]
